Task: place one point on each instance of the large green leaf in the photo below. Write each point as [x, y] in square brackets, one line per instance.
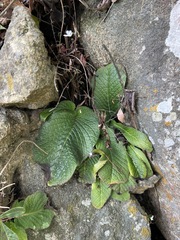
[12, 213]
[115, 169]
[35, 216]
[68, 136]
[134, 136]
[100, 193]
[6, 233]
[20, 232]
[108, 89]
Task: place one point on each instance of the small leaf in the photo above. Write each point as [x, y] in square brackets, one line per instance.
[116, 168]
[134, 136]
[20, 232]
[100, 193]
[45, 114]
[13, 213]
[35, 216]
[68, 136]
[17, 204]
[6, 233]
[132, 169]
[108, 89]
[121, 197]
[138, 163]
[143, 158]
[2, 28]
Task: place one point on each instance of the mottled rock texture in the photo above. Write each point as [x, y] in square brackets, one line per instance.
[136, 33]
[76, 219]
[26, 75]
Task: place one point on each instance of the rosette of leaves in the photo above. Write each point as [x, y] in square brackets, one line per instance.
[26, 214]
[78, 138]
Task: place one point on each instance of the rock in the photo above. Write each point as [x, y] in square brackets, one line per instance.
[138, 35]
[26, 75]
[17, 132]
[13, 125]
[76, 218]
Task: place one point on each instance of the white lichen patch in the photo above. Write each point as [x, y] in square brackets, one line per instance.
[104, 221]
[165, 106]
[49, 236]
[138, 227]
[173, 39]
[142, 50]
[107, 233]
[171, 117]
[86, 202]
[157, 117]
[168, 142]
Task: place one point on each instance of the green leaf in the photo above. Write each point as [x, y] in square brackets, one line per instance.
[100, 193]
[20, 232]
[132, 169]
[45, 114]
[2, 28]
[134, 136]
[35, 216]
[6, 233]
[115, 169]
[139, 154]
[138, 163]
[128, 186]
[12, 213]
[108, 89]
[121, 197]
[68, 136]
[86, 170]
[65, 105]
[17, 203]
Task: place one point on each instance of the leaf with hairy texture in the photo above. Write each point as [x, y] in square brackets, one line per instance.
[135, 154]
[115, 169]
[86, 170]
[6, 233]
[100, 193]
[108, 89]
[13, 213]
[134, 136]
[35, 216]
[68, 136]
[138, 163]
[20, 232]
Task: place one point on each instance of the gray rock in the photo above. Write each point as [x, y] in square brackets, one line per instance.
[17, 132]
[135, 33]
[26, 75]
[76, 219]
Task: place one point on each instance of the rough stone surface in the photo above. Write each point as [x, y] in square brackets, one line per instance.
[16, 126]
[26, 75]
[135, 33]
[76, 219]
